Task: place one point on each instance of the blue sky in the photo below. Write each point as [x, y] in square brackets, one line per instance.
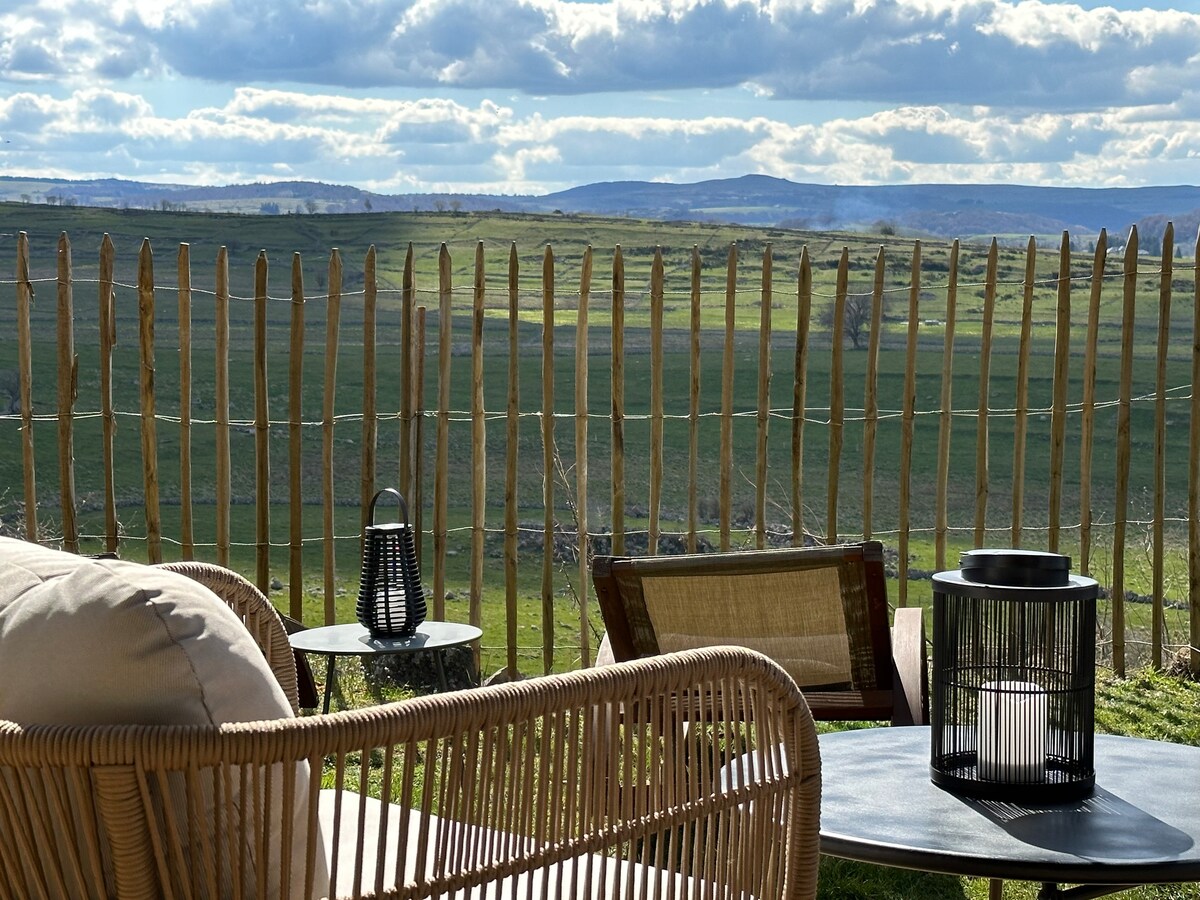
[532, 96]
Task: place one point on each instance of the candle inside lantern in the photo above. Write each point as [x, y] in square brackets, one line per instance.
[1011, 743]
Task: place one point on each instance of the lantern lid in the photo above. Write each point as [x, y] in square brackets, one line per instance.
[386, 526]
[1016, 568]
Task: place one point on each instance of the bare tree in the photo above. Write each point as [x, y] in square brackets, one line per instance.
[856, 322]
[10, 391]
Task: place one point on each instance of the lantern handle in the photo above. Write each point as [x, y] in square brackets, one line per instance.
[399, 498]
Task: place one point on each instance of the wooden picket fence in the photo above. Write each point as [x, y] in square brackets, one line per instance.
[425, 359]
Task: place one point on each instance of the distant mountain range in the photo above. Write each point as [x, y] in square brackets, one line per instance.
[964, 211]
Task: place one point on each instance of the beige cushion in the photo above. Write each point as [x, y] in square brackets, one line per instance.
[89, 642]
[111, 642]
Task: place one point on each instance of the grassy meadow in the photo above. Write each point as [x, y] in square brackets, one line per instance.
[563, 240]
[1147, 704]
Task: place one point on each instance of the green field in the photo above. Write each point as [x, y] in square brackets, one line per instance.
[568, 236]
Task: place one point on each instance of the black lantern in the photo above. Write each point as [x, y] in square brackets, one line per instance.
[1014, 678]
[391, 601]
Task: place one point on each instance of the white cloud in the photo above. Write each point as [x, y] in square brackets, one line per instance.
[536, 95]
[998, 52]
[439, 144]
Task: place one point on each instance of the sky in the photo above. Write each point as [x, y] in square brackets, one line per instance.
[534, 96]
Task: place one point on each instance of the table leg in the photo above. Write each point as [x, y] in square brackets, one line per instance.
[440, 665]
[330, 674]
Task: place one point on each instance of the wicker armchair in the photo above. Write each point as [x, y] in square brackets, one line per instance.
[495, 792]
[820, 612]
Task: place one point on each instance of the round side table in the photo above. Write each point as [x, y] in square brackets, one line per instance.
[332, 641]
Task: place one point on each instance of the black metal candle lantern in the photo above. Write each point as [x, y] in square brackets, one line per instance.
[1014, 678]
[391, 601]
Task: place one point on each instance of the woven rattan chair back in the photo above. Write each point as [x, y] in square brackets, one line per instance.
[570, 785]
[820, 612]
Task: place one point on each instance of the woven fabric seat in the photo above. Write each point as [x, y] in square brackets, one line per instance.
[820, 612]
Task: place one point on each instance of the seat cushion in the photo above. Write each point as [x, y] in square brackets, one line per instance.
[447, 848]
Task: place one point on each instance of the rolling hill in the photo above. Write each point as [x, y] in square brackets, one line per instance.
[938, 210]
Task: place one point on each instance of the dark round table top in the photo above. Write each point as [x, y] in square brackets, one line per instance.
[354, 639]
[1141, 826]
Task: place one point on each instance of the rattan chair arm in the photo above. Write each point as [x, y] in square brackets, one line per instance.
[911, 693]
[604, 653]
